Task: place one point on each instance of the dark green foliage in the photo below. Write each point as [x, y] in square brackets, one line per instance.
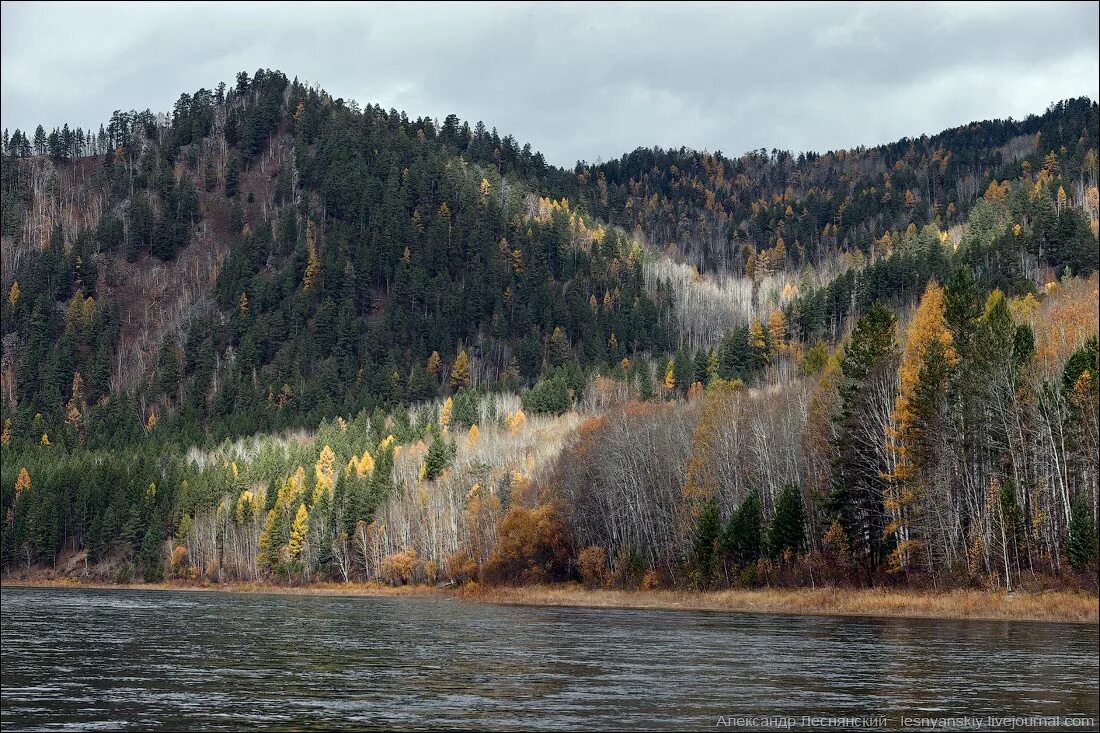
[666, 193]
[1081, 539]
[464, 408]
[856, 494]
[406, 256]
[787, 531]
[549, 396]
[441, 452]
[742, 540]
[1083, 360]
[704, 544]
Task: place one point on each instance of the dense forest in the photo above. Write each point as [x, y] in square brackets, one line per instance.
[277, 335]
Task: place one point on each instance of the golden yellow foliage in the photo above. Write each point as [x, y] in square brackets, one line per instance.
[313, 264]
[13, 294]
[22, 482]
[445, 412]
[996, 192]
[756, 335]
[928, 333]
[324, 472]
[460, 372]
[365, 465]
[516, 421]
[298, 532]
[777, 331]
[928, 327]
[266, 553]
[248, 507]
[471, 437]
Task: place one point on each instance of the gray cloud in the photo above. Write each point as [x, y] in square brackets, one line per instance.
[576, 81]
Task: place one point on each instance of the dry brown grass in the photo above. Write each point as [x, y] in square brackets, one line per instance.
[1060, 606]
[1056, 606]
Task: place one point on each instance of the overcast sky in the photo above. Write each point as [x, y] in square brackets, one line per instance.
[576, 81]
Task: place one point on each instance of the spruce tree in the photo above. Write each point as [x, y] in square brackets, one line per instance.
[787, 530]
[707, 531]
[1081, 541]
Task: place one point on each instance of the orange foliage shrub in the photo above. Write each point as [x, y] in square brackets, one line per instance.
[533, 547]
[592, 564]
[401, 568]
[461, 567]
[179, 558]
[651, 580]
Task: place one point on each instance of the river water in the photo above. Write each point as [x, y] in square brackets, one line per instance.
[115, 659]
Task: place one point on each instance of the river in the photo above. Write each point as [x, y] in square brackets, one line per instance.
[122, 659]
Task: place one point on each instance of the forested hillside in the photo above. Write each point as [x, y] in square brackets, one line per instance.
[278, 335]
[767, 211]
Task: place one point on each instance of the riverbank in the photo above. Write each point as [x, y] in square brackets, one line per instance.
[1055, 606]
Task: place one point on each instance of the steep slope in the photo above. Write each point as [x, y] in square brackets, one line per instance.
[770, 211]
[277, 336]
[272, 255]
[267, 256]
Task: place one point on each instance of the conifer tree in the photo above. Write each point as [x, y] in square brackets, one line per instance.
[787, 531]
[460, 372]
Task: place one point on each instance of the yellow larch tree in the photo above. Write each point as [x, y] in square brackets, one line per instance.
[460, 372]
[299, 530]
[313, 264]
[757, 338]
[22, 482]
[433, 364]
[516, 421]
[446, 411]
[75, 407]
[324, 473]
[777, 331]
[926, 361]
